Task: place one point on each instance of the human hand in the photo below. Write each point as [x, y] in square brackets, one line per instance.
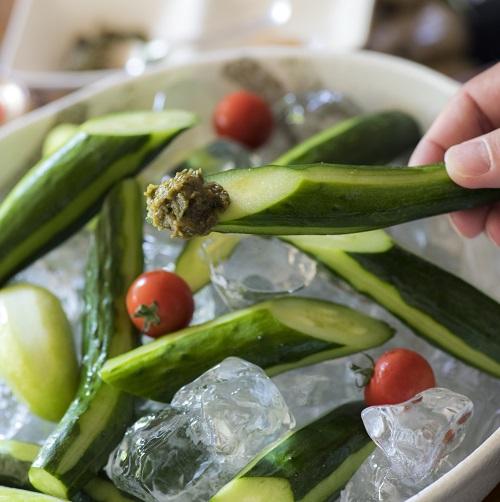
[466, 135]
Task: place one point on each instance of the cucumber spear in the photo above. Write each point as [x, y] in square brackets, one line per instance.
[313, 199]
[66, 189]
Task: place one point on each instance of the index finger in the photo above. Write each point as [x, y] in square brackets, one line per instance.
[472, 112]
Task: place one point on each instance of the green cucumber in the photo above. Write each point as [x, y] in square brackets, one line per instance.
[373, 138]
[64, 190]
[337, 199]
[57, 137]
[102, 490]
[278, 335]
[195, 270]
[312, 464]
[439, 306]
[313, 199]
[15, 460]
[38, 360]
[98, 417]
[193, 267]
[19, 495]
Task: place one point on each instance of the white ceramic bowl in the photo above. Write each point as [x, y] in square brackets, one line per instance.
[373, 80]
[41, 33]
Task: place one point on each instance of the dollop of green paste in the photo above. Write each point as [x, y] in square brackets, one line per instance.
[186, 204]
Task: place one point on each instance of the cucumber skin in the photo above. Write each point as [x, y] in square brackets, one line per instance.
[15, 461]
[466, 311]
[16, 458]
[373, 138]
[159, 369]
[65, 190]
[430, 292]
[115, 260]
[337, 199]
[315, 452]
[242, 340]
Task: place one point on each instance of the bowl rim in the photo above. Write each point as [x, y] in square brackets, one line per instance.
[119, 78]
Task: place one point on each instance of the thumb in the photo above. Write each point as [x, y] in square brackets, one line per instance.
[475, 163]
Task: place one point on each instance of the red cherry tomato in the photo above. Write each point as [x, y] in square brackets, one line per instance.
[159, 302]
[398, 375]
[245, 117]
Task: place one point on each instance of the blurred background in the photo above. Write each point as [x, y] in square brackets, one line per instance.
[51, 47]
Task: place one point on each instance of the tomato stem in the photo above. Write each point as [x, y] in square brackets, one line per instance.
[149, 313]
[365, 373]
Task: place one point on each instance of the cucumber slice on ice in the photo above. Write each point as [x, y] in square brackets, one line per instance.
[311, 464]
[38, 358]
[278, 336]
[66, 189]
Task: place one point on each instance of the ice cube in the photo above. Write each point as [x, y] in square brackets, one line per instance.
[375, 481]
[303, 114]
[161, 456]
[313, 390]
[418, 435]
[220, 155]
[160, 249]
[13, 413]
[415, 439]
[241, 406]
[244, 278]
[214, 426]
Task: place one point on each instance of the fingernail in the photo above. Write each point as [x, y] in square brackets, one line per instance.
[468, 160]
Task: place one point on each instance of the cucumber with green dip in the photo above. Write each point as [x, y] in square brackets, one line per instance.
[99, 415]
[373, 138]
[278, 335]
[312, 464]
[313, 199]
[65, 189]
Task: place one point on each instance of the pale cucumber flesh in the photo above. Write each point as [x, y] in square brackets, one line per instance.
[193, 264]
[341, 325]
[139, 122]
[38, 358]
[255, 490]
[19, 495]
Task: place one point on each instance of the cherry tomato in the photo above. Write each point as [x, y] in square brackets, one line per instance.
[397, 376]
[245, 117]
[159, 302]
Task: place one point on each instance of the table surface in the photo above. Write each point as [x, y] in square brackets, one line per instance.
[5, 8]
